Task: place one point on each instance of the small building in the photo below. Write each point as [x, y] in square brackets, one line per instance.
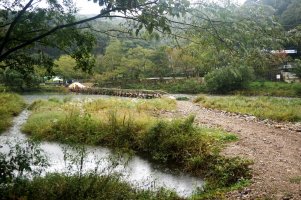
[286, 69]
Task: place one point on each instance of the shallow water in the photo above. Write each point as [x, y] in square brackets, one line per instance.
[134, 170]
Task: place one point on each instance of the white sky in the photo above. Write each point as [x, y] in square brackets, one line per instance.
[88, 7]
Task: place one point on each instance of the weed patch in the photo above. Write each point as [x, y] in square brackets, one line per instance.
[91, 186]
[279, 109]
[279, 89]
[134, 126]
[296, 179]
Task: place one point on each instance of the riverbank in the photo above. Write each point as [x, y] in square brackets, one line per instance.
[10, 105]
[134, 126]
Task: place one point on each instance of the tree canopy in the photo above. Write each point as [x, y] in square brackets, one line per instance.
[144, 38]
[28, 28]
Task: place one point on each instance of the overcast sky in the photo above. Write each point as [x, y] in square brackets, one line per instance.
[88, 7]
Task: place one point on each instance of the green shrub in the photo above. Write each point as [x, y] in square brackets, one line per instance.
[228, 79]
[182, 98]
[18, 81]
[175, 141]
[297, 68]
[22, 161]
[89, 186]
[297, 89]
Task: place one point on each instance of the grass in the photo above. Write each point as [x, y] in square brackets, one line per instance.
[90, 186]
[135, 126]
[10, 106]
[278, 109]
[280, 89]
[182, 98]
[295, 180]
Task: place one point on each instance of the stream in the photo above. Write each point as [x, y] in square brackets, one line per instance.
[134, 170]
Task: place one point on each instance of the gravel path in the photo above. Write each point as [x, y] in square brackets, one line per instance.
[276, 152]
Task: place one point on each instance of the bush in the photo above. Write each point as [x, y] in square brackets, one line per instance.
[228, 79]
[18, 81]
[176, 141]
[88, 186]
[22, 161]
[297, 69]
[297, 89]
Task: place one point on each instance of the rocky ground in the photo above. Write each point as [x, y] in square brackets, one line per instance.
[274, 147]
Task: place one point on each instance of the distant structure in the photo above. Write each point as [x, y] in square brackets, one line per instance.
[286, 69]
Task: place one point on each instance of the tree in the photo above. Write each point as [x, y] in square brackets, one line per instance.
[64, 67]
[228, 35]
[27, 28]
[297, 69]
[287, 11]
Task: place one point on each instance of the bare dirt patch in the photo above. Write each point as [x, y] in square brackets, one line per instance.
[275, 150]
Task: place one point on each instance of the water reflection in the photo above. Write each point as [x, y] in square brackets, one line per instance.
[136, 170]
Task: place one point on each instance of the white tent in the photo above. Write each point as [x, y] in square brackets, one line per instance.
[76, 85]
[57, 79]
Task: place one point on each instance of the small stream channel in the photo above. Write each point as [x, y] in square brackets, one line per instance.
[137, 171]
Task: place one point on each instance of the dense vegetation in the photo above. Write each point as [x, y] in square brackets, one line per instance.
[177, 46]
[222, 42]
[10, 106]
[92, 186]
[134, 126]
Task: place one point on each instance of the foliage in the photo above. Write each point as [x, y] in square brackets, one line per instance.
[92, 186]
[19, 80]
[286, 11]
[127, 61]
[279, 109]
[20, 177]
[22, 161]
[182, 98]
[297, 68]
[228, 79]
[133, 126]
[10, 106]
[226, 35]
[65, 68]
[297, 89]
[56, 26]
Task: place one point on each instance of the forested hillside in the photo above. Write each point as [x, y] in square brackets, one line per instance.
[223, 44]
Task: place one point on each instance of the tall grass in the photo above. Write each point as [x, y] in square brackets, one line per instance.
[279, 109]
[91, 186]
[280, 89]
[133, 126]
[10, 106]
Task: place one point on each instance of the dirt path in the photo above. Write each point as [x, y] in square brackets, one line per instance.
[276, 153]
